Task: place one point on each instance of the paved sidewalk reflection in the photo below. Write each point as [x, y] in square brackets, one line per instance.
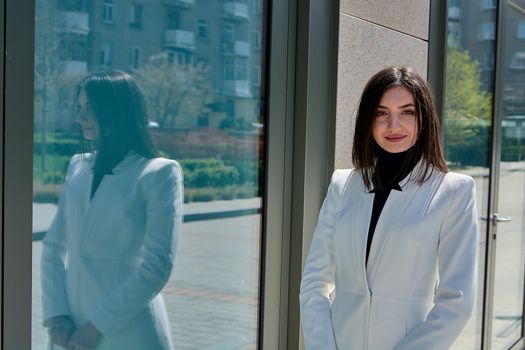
[212, 296]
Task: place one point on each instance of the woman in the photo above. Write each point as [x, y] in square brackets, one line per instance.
[392, 263]
[110, 248]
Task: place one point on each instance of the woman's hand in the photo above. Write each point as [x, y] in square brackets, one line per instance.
[60, 329]
[86, 337]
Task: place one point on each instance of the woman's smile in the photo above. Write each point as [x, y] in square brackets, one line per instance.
[395, 138]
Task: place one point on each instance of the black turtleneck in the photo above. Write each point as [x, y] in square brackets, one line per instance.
[391, 168]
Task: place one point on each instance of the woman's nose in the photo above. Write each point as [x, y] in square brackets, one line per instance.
[394, 122]
[80, 117]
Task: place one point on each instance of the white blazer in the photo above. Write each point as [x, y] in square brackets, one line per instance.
[417, 290]
[105, 260]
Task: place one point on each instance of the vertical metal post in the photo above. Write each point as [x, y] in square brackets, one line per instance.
[17, 173]
[2, 70]
[437, 52]
[490, 259]
[279, 138]
[314, 135]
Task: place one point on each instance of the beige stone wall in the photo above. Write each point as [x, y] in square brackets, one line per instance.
[374, 35]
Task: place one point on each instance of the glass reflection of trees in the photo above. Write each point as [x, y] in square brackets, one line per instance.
[203, 92]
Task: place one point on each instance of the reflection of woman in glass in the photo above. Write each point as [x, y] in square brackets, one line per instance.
[110, 248]
[392, 263]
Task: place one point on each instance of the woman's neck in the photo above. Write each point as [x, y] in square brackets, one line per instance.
[392, 168]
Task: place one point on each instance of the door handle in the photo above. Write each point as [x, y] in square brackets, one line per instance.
[496, 218]
[502, 218]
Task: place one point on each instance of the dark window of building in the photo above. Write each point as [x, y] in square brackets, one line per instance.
[72, 47]
[202, 29]
[236, 68]
[135, 16]
[256, 7]
[228, 33]
[521, 30]
[105, 54]
[489, 4]
[107, 11]
[134, 58]
[256, 40]
[487, 31]
[256, 75]
[71, 5]
[518, 60]
[173, 19]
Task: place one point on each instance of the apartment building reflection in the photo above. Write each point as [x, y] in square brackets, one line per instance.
[77, 36]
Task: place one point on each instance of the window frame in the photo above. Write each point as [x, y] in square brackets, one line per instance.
[17, 175]
[520, 30]
[228, 33]
[135, 57]
[106, 49]
[487, 31]
[202, 29]
[489, 4]
[108, 11]
[136, 15]
[256, 40]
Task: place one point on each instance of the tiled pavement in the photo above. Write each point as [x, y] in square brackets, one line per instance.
[212, 295]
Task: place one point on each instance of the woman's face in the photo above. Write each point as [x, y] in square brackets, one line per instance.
[395, 126]
[86, 117]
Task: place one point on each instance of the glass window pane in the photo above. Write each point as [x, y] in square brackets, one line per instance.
[467, 119]
[198, 65]
[510, 243]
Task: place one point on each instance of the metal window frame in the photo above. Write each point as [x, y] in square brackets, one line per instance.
[17, 174]
[301, 142]
[490, 258]
[437, 53]
[2, 45]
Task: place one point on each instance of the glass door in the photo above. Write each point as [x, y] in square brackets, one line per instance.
[467, 123]
[509, 231]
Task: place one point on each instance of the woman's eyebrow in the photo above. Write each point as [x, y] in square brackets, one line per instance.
[403, 106]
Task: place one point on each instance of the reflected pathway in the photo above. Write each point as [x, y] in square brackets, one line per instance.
[212, 296]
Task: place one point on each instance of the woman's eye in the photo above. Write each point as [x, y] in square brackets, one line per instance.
[408, 113]
[380, 113]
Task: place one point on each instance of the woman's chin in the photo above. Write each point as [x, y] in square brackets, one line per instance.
[89, 136]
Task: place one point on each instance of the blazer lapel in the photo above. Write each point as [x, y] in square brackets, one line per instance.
[361, 228]
[110, 190]
[355, 218]
[97, 207]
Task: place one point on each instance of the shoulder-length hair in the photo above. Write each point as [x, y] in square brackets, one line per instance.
[119, 109]
[427, 148]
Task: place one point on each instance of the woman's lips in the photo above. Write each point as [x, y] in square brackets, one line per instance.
[395, 138]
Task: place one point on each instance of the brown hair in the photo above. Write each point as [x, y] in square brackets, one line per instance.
[427, 148]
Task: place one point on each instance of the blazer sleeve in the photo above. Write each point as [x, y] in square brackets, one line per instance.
[52, 261]
[318, 279]
[456, 289]
[163, 192]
